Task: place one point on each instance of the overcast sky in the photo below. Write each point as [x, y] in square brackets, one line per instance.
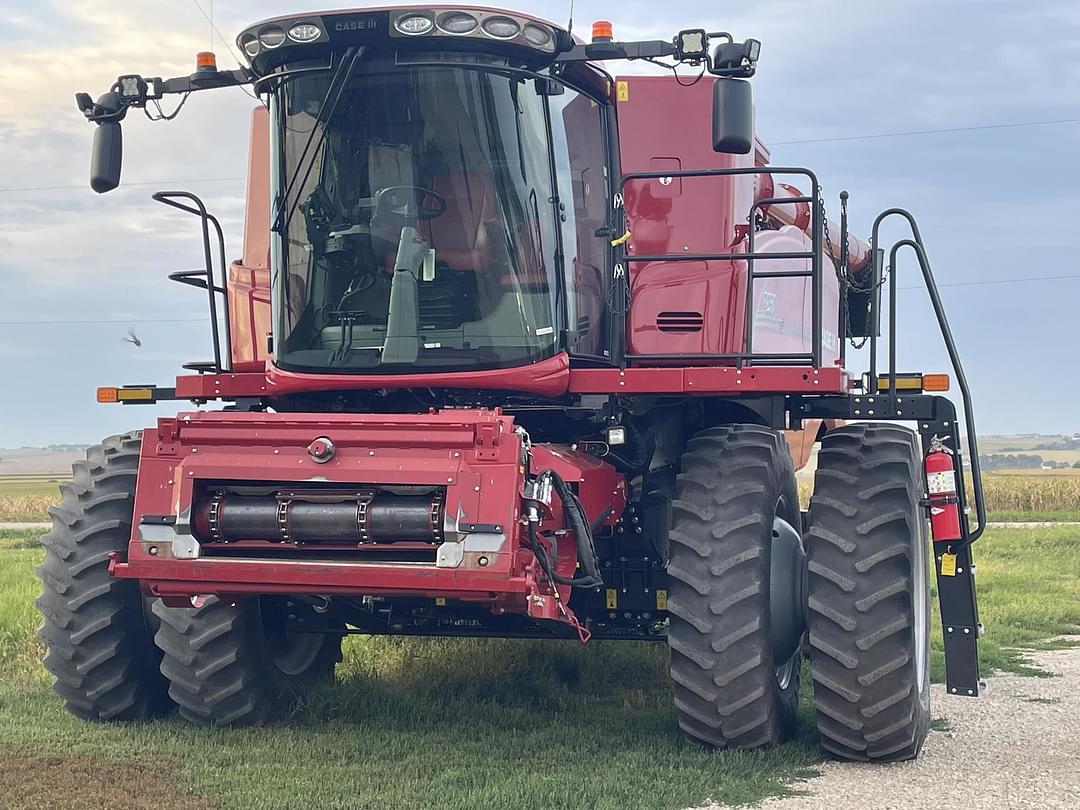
[998, 206]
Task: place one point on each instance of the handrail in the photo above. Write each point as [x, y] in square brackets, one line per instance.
[917, 246]
[620, 353]
[172, 198]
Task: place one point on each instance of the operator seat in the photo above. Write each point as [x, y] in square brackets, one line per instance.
[460, 236]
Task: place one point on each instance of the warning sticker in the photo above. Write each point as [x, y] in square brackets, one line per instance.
[941, 482]
[622, 91]
[948, 565]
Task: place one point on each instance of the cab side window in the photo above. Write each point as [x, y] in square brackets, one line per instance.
[577, 128]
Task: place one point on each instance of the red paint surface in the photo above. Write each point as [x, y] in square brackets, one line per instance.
[475, 454]
[664, 126]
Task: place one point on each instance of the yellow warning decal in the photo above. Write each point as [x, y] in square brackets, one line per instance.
[612, 599]
[440, 600]
[948, 565]
[622, 91]
[661, 599]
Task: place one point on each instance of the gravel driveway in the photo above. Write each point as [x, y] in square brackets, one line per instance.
[1017, 746]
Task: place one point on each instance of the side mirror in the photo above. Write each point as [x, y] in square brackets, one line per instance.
[733, 116]
[107, 157]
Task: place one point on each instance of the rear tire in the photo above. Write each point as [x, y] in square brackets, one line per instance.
[869, 598]
[228, 664]
[729, 692]
[98, 630]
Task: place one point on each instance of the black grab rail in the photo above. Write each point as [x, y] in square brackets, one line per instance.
[204, 279]
[917, 246]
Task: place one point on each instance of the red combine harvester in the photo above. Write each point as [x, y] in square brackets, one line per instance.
[517, 348]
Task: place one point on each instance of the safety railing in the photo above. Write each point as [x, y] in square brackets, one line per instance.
[746, 357]
[204, 278]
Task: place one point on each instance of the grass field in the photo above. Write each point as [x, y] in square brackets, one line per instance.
[457, 723]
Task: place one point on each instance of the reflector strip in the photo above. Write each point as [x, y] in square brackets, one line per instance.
[110, 395]
[135, 394]
[904, 382]
[915, 382]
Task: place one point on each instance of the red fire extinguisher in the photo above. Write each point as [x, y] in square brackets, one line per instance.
[941, 476]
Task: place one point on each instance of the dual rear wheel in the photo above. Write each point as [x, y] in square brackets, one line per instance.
[116, 654]
[745, 585]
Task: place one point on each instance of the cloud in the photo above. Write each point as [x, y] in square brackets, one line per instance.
[828, 68]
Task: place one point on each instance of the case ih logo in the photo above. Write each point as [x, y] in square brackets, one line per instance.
[357, 24]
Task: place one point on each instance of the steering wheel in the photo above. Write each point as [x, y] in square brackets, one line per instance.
[410, 203]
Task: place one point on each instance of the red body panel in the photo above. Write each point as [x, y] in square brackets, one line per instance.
[475, 454]
[665, 126]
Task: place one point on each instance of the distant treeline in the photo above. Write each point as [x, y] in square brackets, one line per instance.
[1022, 461]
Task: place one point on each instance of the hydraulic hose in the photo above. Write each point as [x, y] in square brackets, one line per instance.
[578, 523]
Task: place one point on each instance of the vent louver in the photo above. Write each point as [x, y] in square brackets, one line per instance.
[683, 322]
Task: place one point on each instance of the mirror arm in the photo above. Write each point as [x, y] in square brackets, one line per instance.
[132, 90]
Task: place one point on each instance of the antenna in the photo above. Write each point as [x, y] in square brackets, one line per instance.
[210, 19]
[570, 25]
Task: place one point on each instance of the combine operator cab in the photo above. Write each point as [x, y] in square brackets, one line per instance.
[518, 348]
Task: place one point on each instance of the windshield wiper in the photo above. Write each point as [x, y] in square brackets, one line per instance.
[333, 95]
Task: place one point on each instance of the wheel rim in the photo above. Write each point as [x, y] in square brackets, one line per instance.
[781, 527]
[785, 672]
[292, 654]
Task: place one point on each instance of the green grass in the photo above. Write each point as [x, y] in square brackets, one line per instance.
[1028, 588]
[486, 723]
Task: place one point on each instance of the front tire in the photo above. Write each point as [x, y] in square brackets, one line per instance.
[232, 664]
[869, 597]
[98, 630]
[730, 691]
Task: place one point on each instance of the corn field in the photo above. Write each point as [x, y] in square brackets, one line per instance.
[1012, 493]
[1004, 493]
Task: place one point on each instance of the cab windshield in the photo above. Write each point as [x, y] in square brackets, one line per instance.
[422, 229]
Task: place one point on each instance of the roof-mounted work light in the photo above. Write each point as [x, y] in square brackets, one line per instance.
[692, 44]
[736, 58]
